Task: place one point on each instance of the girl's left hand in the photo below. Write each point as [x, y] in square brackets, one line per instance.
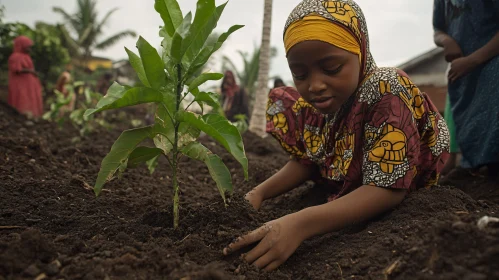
[279, 239]
[460, 67]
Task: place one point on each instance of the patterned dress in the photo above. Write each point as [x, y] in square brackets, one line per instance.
[474, 97]
[388, 134]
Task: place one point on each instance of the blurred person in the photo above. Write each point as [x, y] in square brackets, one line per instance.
[468, 30]
[25, 90]
[104, 83]
[64, 79]
[234, 98]
[278, 83]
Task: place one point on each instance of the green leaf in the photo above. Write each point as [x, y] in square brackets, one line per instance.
[153, 64]
[137, 65]
[203, 78]
[152, 164]
[205, 54]
[208, 98]
[186, 135]
[119, 153]
[218, 171]
[170, 13]
[178, 38]
[206, 19]
[221, 130]
[142, 155]
[119, 96]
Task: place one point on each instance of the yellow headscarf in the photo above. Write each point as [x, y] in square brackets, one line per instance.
[317, 28]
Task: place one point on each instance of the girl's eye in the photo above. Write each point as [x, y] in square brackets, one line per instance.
[300, 76]
[334, 70]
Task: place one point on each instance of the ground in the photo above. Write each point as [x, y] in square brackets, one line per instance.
[53, 227]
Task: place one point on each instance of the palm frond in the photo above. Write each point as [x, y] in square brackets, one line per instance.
[86, 34]
[69, 43]
[104, 20]
[114, 39]
[71, 20]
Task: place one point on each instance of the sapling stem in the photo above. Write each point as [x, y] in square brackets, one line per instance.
[175, 150]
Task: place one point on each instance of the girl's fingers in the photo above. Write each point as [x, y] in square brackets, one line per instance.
[246, 240]
[273, 265]
[265, 260]
[260, 250]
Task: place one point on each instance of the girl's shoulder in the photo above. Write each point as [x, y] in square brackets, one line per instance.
[387, 83]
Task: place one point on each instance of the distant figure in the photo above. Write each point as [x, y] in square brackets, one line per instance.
[63, 80]
[25, 90]
[468, 30]
[104, 83]
[234, 98]
[278, 83]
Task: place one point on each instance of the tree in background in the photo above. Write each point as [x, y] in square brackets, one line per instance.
[258, 120]
[87, 29]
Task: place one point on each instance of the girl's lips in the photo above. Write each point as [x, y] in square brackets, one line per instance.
[324, 103]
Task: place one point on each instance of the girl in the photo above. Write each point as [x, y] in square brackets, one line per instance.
[368, 132]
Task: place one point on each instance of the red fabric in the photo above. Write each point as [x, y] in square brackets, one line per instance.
[25, 90]
[391, 136]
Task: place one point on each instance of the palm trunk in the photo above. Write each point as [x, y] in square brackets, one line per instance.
[257, 124]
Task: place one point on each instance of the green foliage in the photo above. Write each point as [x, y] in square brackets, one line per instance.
[48, 53]
[59, 111]
[167, 80]
[88, 29]
[241, 123]
[247, 76]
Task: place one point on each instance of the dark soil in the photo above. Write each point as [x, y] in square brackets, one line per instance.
[52, 225]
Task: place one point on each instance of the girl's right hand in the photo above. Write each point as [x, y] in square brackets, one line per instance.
[255, 198]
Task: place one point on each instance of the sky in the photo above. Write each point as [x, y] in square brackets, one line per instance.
[399, 29]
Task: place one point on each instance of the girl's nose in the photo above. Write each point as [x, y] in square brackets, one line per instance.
[317, 85]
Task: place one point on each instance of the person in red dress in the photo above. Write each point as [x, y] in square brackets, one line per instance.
[25, 90]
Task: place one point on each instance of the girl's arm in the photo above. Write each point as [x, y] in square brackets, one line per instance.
[358, 206]
[289, 177]
[280, 238]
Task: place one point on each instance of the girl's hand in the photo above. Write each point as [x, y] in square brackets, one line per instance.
[255, 198]
[452, 50]
[460, 67]
[279, 239]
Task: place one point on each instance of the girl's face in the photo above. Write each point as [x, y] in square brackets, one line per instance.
[324, 75]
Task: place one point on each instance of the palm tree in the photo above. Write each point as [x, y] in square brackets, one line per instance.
[249, 74]
[257, 123]
[88, 30]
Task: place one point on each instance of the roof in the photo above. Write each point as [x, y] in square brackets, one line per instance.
[417, 61]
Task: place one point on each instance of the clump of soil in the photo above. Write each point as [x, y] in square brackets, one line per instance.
[51, 222]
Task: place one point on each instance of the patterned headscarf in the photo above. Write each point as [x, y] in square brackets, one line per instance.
[346, 15]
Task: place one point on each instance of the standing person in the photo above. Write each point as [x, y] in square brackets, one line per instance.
[367, 133]
[234, 98]
[278, 83]
[25, 90]
[104, 83]
[63, 80]
[468, 30]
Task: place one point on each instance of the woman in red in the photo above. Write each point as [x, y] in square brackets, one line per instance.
[25, 91]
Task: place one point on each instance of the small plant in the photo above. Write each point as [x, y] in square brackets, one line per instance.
[167, 80]
[241, 123]
[58, 108]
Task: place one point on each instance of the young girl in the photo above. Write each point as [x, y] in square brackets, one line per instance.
[368, 132]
